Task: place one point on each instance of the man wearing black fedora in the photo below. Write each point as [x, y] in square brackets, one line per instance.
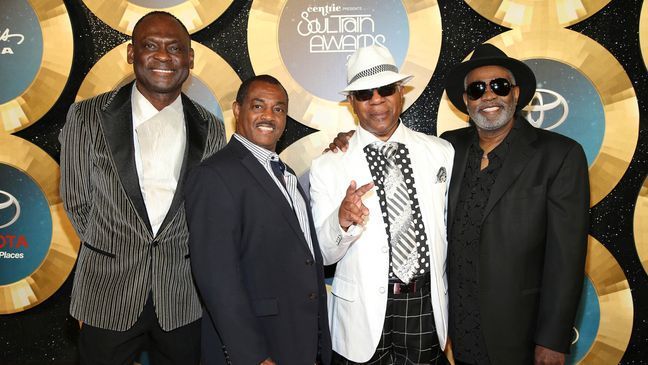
[517, 220]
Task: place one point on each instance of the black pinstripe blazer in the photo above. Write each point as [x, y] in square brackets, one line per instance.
[120, 261]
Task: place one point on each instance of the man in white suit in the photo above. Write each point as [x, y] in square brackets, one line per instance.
[387, 236]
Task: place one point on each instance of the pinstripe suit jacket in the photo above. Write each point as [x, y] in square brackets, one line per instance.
[120, 261]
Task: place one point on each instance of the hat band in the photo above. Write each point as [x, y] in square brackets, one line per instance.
[373, 70]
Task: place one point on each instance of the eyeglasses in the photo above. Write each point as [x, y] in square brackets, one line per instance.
[499, 86]
[384, 91]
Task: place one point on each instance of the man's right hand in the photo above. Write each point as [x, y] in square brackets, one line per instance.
[352, 211]
[341, 142]
[268, 361]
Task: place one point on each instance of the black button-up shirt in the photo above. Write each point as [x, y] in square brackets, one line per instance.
[463, 253]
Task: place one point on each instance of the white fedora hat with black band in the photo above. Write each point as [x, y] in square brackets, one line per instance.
[372, 67]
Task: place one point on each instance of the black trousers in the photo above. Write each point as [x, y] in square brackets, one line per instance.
[99, 346]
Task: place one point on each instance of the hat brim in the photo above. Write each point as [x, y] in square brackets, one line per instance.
[377, 80]
[524, 79]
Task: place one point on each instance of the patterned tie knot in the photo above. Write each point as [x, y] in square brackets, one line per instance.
[386, 149]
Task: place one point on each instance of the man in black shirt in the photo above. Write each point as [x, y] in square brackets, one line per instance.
[517, 221]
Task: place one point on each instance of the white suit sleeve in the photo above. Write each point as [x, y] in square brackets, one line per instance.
[326, 197]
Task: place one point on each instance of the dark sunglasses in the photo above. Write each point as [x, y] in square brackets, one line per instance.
[384, 91]
[499, 86]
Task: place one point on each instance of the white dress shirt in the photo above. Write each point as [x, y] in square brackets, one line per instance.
[159, 138]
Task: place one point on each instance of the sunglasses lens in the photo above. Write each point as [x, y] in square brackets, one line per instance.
[387, 90]
[475, 90]
[500, 86]
[363, 95]
[384, 91]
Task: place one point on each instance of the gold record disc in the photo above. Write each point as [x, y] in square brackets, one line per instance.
[641, 225]
[643, 32]
[123, 14]
[609, 304]
[301, 153]
[306, 46]
[610, 136]
[42, 85]
[38, 245]
[534, 14]
[212, 82]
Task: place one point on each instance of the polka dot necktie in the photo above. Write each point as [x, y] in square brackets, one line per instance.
[390, 168]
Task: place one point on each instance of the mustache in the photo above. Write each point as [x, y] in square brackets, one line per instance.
[266, 123]
[491, 104]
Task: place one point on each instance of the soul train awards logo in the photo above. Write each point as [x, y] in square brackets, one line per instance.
[317, 39]
[335, 29]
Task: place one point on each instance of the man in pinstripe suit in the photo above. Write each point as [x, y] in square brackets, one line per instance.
[124, 157]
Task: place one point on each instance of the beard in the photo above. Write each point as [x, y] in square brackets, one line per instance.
[507, 111]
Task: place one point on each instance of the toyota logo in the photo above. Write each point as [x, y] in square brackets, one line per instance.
[545, 105]
[7, 204]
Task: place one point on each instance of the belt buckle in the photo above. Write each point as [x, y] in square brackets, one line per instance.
[405, 288]
[397, 288]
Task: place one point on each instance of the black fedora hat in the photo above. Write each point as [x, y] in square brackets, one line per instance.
[488, 55]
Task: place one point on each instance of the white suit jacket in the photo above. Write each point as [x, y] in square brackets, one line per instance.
[359, 297]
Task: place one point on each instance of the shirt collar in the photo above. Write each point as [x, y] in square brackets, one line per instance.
[502, 149]
[263, 155]
[365, 137]
[143, 110]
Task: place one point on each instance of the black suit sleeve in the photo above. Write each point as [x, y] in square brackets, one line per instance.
[213, 217]
[566, 245]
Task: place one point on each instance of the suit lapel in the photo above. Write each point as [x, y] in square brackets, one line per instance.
[461, 146]
[268, 185]
[196, 128]
[117, 125]
[520, 152]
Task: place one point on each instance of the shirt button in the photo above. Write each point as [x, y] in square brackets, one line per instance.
[312, 296]
[381, 290]
[385, 249]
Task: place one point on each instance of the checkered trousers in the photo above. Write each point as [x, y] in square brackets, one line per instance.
[409, 335]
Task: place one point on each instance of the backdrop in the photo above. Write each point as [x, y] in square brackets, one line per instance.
[589, 56]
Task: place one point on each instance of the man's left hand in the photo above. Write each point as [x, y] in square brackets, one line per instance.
[545, 356]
